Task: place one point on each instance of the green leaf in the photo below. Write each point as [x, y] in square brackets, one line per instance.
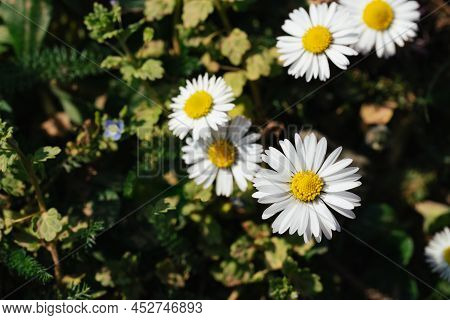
[46, 153]
[102, 23]
[4, 106]
[158, 9]
[112, 62]
[307, 283]
[150, 70]
[236, 80]
[148, 34]
[235, 46]
[431, 211]
[259, 65]
[282, 289]
[192, 191]
[69, 107]
[276, 253]
[164, 205]
[196, 11]
[27, 22]
[49, 225]
[401, 245]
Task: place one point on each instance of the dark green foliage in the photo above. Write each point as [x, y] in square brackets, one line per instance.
[63, 64]
[19, 262]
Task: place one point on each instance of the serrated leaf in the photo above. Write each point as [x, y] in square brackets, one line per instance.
[112, 62]
[49, 225]
[259, 65]
[196, 11]
[150, 70]
[235, 46]
[46, 153]
[164, 205]
[158, 9]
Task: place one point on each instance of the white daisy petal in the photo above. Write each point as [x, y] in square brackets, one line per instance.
[200, 107]
[437, 253]
[303, 198]
[383, 24]
[227, 155]
[311, 36]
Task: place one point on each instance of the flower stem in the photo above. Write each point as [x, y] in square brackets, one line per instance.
[223, 15]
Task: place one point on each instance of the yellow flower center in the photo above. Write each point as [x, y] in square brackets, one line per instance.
[306, 186]
[198, 105]
[378, 15]
[222, 154]
[317, 39]
[447, 255]
[113, 128]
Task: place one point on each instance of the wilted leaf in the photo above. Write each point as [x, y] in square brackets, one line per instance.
[49, 224]
[196, 11]
[430, 211]
[209, 63]
[376, 113]
[235, 46]
[57, 125]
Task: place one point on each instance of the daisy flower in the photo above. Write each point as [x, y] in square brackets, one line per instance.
[201, 106]
[229, 153]
[438, 253]
[304, 186]
[113, 129]
[325, 33]
[382, 24]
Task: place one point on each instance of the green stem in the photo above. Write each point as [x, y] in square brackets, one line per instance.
[176, 17]
[28, 165]
[31, 174]
[223, 15]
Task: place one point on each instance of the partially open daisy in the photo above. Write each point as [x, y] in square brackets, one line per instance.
[383, 23]
[201, 106]
[438, 253]
[325, 33]
[304, 187]
[228, 153]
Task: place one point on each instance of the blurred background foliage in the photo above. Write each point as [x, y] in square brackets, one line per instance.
[67, 193]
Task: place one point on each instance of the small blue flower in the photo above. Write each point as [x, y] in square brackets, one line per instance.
[113, 129]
